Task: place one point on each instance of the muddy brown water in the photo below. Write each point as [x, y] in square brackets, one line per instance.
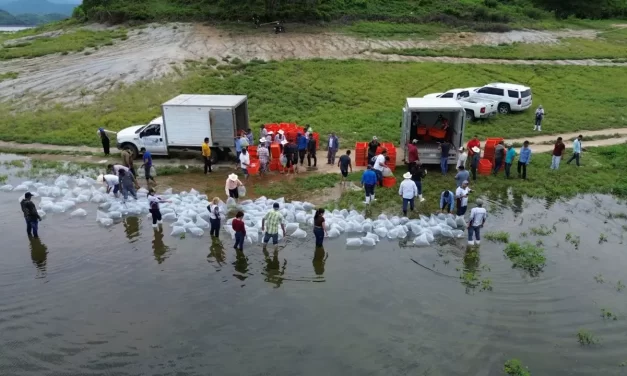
[129, 300]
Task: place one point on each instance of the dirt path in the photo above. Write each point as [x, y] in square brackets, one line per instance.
[191, 160]
[157, 50]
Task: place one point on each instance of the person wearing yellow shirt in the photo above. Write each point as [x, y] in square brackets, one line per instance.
[206, 155]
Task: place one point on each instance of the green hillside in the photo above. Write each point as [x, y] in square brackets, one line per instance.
[414, 11]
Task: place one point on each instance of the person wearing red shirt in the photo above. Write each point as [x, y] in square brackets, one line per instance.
[558, 151]
[412, 153]
[471, 144]
[240, 230]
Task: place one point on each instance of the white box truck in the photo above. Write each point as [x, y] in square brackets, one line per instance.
[420, 122]
[184, 123]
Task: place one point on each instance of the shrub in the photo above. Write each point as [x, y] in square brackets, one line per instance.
[526, 256]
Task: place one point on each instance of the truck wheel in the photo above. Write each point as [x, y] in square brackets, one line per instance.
[503, 108]
[215, 155]
[470, 115]
[132, 148]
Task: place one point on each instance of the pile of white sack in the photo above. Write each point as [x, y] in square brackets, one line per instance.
[187, 213]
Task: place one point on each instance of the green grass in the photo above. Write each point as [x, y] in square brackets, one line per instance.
[391, 30]
[3, 178]
[497, 236]
[70, 41]
[514, 367]
[585, 337]
[543, 230]
[335, 96]
[611, 44]
[295, 187]
[23, 151]
[8, 76]
[526, 256]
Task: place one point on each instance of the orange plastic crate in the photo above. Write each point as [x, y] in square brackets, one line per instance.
[422, 131]
[275, 150]
[389, 181]
[437, 133]
[253, 168]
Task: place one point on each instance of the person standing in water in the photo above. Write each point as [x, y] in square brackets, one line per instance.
[320, 229]
[270, 225]
[240, 230]
[214, 217]
[147, 157]
[477, 219]
[154, 202]
[112, 182]
[104, 138]
[30, 215]
[127, 184]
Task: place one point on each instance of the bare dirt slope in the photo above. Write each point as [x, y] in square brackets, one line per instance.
[154, 51]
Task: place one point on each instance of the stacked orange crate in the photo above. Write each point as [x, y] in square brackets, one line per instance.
[361, 154]
[252, 150]
[391, 154]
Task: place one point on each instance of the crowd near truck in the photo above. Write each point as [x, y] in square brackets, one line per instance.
[424, 119]
[186, 121]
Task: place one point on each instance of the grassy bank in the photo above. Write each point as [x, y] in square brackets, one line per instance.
[611, 44]
[356, 99]
[68, 41]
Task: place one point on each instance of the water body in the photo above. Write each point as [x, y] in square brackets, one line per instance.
[13, 29]
[128, 300]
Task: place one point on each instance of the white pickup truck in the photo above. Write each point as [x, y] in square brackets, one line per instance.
[475, 109]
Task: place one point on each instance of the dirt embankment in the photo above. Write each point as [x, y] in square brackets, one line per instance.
[154, 51]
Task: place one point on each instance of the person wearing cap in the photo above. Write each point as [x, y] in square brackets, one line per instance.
[302, 147]
[244, 160]
[372, 149]
[369, 181]
[311, 151]
[106, 142]
[264, 156]
[408, 192]
[270, 225]
[462, 157]
[280, 137]
[417, 174]
[477, 219]
[332, 147]
[509, 159]
[379, 165]
[539, 118]
[447, 202]
[475, 157]
[474, 142]
[154, 201]
[524, 160]
[30, 215]
[412, 153]
[232, 185]
[462, 176]
[499, 156]
[112, 182]
[206, 155]
[461, 196]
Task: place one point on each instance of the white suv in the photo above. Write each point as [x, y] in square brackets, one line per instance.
[510, 97]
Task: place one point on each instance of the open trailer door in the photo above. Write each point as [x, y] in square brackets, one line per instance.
[405, 127]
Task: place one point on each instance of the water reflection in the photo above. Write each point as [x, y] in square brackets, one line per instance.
[274, 271]
[319, 259]
[216, 253]
[39, 255]
[131, 228]
[470, 276]
[158, 246]
[517, 203]
[240, 265]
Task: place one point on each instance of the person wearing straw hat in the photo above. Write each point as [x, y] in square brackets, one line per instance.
[232, 185]
[264, 155]
[477, 219]
[462, 157]
[269, 139]
[280, 137]
[30, 215]
[112, 182]
[408, 191]
[474, 161]
[461, 196]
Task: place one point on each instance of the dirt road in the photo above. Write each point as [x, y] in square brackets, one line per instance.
[617, 136]
[161, 49]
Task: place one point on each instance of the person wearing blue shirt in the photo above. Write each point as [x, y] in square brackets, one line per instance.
[302, 147]
[576, 150]
[447, 201]
[523, 160]
[238, 147]
[250, 137]
[369, 180]
[147, 157]
[509, 159]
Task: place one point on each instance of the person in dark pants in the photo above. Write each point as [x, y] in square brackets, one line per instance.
[372, 149]
[509, 159]
[30, 215]
[311, 151]
[499, 155]
[332, 148]
[320, 229]
[105, 141]
[240, 230]
[214, 216]
[379, 166]
[147, 166]
[417, 174]
[445, 148]
[474, 162]
[302, 147]
[369, 181]
[461, 198]
[154, 202]
[344, 164]
[206, 155]
[576, 150]
[447, 202]
[524, 160]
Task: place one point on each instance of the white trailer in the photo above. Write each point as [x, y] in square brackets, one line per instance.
[420, 122]
[186, 121]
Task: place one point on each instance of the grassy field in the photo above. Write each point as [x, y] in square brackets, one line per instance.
[356, 99]
[611, 44]
[70, 41]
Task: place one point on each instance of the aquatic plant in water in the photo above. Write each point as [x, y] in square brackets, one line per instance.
[540, 231]
[620, 286]
[526, 256]
[585, 337]
[514, 367]
[497, 236]
[602, 238]
[573, 239]
[599, 278]
[607, 314]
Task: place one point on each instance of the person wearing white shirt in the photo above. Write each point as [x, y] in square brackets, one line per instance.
[576, 150]
[379, 165]
[244, 160]
[539, 118]
[461, 196]
[112, 182]
[478, 216]
[461, 159]
[408, 191]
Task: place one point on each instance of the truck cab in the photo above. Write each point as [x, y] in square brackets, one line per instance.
[150, 136]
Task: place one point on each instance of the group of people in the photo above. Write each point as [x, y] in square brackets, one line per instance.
[122, 178]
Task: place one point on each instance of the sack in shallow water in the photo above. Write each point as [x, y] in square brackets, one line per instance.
[299, 234]
[461, 223]
[196, 231]
[446, 233]
[169, 217]
[230, 202]
[6, 188]
[291, 227]
[353, 242]
[78, 213]
[201, 223]
[105, 221]
[382, 232]
[177, 230]
[369, 242]
[372, 236]
[333, 233]
[451, 223]
[421, 241]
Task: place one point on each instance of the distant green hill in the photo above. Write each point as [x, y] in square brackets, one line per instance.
[7, 19]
